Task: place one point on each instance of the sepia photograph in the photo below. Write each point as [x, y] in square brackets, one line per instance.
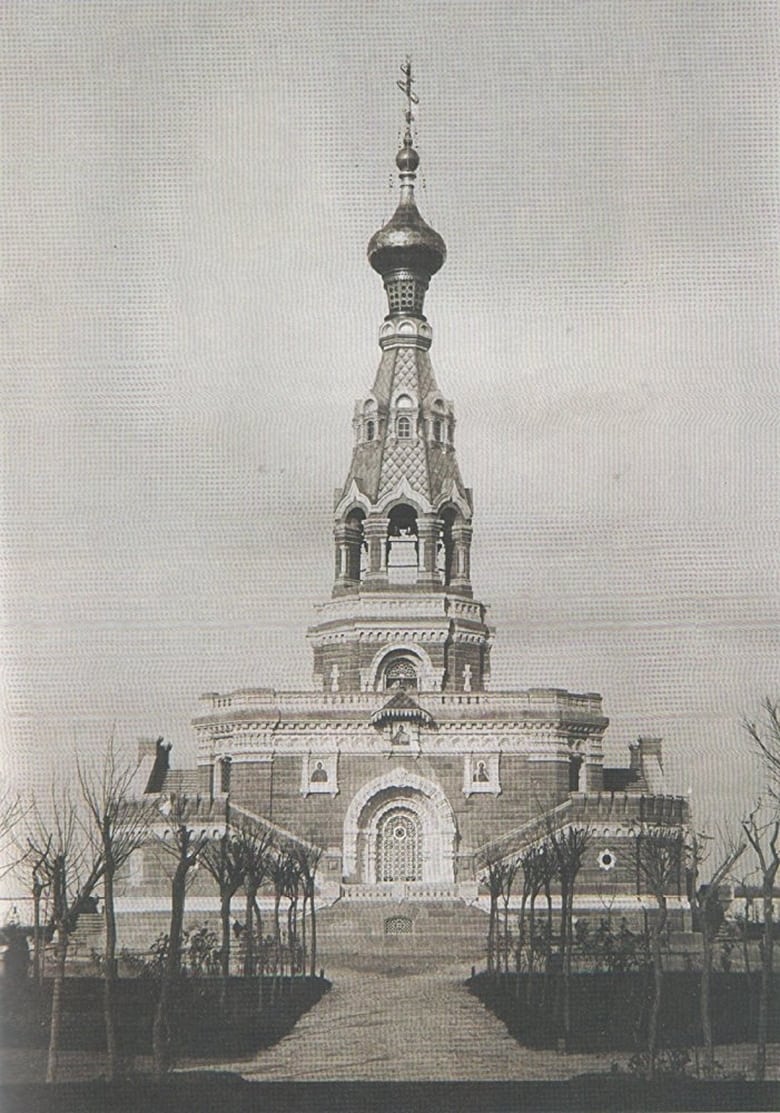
[390, 615]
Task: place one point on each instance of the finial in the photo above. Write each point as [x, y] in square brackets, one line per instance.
[407, 159]
[411, 98]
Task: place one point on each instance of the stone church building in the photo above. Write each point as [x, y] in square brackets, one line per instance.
[401, 762]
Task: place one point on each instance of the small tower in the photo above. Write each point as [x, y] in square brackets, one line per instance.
[402, 613]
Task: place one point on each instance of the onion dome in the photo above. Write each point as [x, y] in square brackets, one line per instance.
[406, 251]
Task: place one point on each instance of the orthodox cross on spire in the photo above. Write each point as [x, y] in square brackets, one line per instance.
[411, 98]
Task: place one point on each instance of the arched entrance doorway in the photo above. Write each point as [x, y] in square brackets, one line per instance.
[399, 846]
[399, 827]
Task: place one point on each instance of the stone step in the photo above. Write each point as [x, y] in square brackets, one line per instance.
[392, 929]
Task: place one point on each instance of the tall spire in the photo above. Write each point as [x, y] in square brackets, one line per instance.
[406, 251]
[402, 611]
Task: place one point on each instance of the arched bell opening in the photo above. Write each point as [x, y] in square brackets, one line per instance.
[356, 548]
[402, 546]
[446, 545]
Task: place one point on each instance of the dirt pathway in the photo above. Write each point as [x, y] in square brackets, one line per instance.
[412, 1027]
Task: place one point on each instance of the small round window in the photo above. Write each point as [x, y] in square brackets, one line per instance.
[607, 860]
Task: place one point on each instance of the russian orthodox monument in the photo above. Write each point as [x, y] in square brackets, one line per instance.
[401, 763]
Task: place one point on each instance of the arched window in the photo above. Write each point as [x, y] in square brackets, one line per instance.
[401, 674]
[437, 430]
[370, 430]
[404, 405]
[224, 776]
[575, 772]
[400, 670]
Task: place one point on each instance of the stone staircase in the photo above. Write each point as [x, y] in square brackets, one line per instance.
[400, 933]
[88, 938]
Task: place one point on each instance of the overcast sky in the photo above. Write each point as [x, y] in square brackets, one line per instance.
[186, 195]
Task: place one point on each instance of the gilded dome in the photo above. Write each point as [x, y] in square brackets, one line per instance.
[406, 243]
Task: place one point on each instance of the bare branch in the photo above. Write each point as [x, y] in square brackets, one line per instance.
[766, 741]
[119, 824]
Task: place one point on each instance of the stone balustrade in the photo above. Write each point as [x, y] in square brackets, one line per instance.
[534, 701]
[385, 891]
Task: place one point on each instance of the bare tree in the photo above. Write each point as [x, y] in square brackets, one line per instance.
[225, 859]
[35, 862]
[307, 859]
[659, 856]
[12, 816]
[119, 826]
[280, 871]
[511, 867]
[185, 843]
[762, 829]
[705, 899]
[292, 891]
[256, 843]
[70, 867]
[538, 865]
[494, 879]
[568, 846]
[765, 736]
[763, 836]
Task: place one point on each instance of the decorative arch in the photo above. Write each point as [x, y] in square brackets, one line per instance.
[353, 499]
[403, 492]
[401, 787]
[426, 676]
